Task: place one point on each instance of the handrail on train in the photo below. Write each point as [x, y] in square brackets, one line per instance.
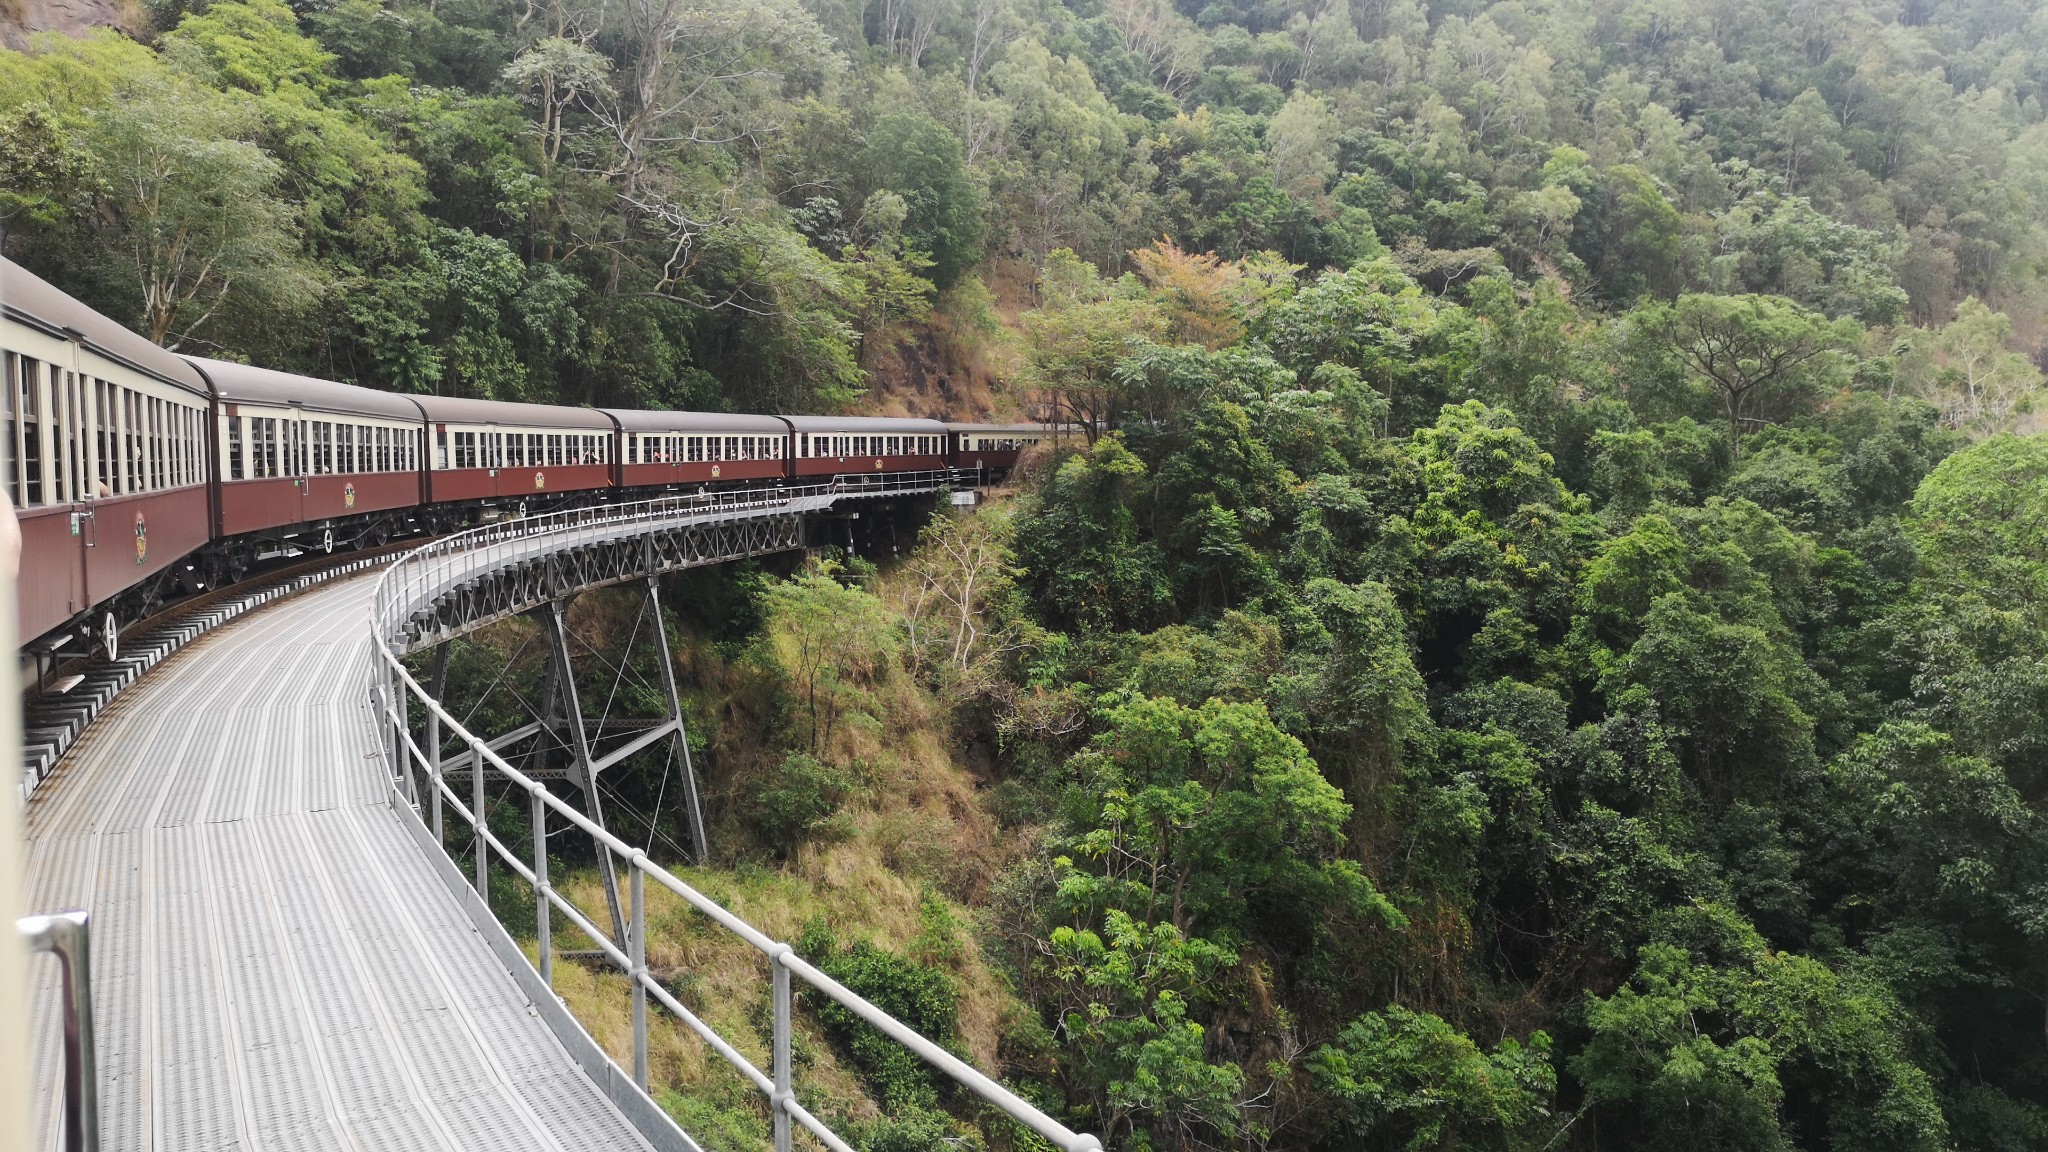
[419, 575]
[68, 935]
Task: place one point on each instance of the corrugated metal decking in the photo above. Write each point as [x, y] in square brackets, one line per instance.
[276, 964]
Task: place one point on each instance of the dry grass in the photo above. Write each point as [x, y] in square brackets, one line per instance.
[914, 831]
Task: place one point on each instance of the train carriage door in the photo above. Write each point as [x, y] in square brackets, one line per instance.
[51, 403]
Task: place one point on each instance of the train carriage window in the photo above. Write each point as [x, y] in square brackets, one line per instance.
[234, 447]
[60, 452]
[696, 449]
[153, 440]
[103, 431]
[28, 383]
[128, 440]
[10, 397]
[465, 449]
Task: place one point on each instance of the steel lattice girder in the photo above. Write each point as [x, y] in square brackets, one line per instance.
[511, 589]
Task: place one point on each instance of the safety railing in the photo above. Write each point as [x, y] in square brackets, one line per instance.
[68, 936]
[413, 580]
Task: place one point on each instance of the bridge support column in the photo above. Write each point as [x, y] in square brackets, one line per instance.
[583, 772]
[699, 840]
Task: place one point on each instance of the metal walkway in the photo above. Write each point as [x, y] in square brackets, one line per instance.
[277, 964]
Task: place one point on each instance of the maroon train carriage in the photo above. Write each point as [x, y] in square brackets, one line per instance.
[865, 445]
[995, 448]
[309, 461]
[665, 448]
[490, 453]
[105, 458]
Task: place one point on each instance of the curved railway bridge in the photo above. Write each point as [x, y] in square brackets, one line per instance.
[285, 956]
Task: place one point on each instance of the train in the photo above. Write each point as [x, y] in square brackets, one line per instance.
[139, 474]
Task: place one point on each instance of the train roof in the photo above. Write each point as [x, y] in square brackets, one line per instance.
[865, 424]
[462, 410]
[32, 300]
[247, 384]
[635, 420]
[1035, 428]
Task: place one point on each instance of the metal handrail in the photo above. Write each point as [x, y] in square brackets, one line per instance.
[414, 580]
[68, 935]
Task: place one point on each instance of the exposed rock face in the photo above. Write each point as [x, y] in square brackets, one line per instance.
[22, 20]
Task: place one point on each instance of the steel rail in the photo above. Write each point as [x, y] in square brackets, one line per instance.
[414, 582]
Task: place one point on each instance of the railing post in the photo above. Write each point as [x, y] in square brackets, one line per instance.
[401, 728]
[779, 1106]
[434, 733]
[68, 934]
[638, 951]
[476, 809]
[544, 914]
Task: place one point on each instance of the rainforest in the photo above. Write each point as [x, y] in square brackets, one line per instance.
[1535, 638]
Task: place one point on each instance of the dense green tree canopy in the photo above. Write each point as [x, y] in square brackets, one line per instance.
[1538, 641]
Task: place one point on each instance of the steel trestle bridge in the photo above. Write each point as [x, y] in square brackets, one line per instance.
[286, 956]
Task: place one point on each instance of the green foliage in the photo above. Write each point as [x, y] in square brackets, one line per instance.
[1529, 573]
[1718, 1042]
[920, 996]
[829, 643]
[796, 801]
[1121, 1000]
[1407, 1079]
[916, 157]
[1194, 814]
